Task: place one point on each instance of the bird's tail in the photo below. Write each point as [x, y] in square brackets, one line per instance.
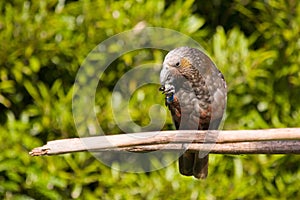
[190, 164]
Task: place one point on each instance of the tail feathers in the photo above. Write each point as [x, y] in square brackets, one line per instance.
[200, 169]
[186, 163]
[190, 164]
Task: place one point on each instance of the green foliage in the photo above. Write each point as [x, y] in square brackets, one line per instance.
[254, 43]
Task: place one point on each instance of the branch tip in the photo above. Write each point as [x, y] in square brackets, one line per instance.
[39, 151]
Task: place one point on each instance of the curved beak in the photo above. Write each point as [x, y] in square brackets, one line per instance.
[164, 74]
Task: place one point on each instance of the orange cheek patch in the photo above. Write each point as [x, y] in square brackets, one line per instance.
[185, 63]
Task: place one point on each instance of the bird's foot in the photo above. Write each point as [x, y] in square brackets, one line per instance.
[169, 91]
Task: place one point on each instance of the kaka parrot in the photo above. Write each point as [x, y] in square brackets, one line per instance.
[196, 95]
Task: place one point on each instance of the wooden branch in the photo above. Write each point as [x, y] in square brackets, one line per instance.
[268, 141]
[267, 147]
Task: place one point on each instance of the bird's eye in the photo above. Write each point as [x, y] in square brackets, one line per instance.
[177, 64]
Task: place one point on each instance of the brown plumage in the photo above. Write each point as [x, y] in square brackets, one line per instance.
[196, 96]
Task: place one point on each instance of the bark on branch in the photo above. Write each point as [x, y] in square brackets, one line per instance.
[267, 141]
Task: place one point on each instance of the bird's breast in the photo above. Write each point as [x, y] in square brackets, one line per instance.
[195, 113]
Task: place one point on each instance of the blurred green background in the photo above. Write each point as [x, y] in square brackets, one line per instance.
[255, 44]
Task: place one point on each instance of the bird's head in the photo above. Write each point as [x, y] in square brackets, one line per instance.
[176, 65]
[181, 67]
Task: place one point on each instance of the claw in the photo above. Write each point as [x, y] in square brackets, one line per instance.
[169, 91]
[162, 88]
